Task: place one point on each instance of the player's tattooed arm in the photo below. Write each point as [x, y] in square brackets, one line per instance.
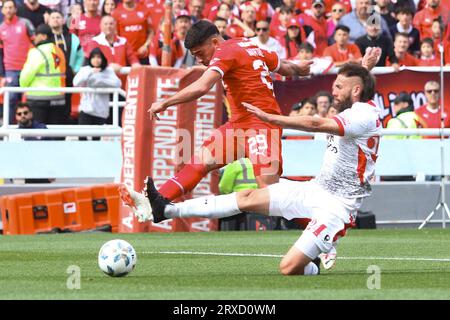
[305, 123]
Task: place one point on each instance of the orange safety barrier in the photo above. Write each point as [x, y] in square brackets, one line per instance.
[74, 209]
[5, 215]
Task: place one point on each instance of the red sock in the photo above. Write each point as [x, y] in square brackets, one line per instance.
[184, 181]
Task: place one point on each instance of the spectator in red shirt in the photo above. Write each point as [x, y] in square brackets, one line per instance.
[424, 18]
[401, 44]
[134, 23]
[275, 21]
[293, 38]
[177, 6]
[446, 54]
[156, 9]
[231, 6]
[437, 31]
[246, 27]
[264, 10]
[337, 12]
[224, 12]
[427, 55]
[16, 35]
[318, 23]
[430, 112]
[117, 50]
[342, 51]
[278, 28]
[88, 26]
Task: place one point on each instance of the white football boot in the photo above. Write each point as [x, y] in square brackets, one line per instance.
[329, 259]
[138, 203]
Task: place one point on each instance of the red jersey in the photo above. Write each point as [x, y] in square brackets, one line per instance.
[134, 25]
[430, 62]
[432, 117]
[234, 31]
[245, 70]
[15, 36]
[408, 60]
[264, 11]
[320, 27]
[156, 10]
[119, 52]
[424, 19]
[86, 28]
[342, 56]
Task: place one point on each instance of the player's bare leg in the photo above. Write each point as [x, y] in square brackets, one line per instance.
[295, 262]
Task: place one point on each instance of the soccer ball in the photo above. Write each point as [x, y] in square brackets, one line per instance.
[117, 258]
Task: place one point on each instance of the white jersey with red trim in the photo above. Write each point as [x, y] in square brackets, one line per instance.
[349, 161]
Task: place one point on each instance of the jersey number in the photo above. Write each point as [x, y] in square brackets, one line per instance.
[257, 144]
[261, 66]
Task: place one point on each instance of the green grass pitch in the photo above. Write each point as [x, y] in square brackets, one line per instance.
[414, 265]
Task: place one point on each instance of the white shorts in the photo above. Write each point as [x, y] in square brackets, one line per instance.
[328, 214]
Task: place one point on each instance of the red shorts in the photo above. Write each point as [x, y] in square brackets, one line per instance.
[259, 142]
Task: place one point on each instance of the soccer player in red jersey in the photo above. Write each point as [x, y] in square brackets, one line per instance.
[245, 70]
[134, 23]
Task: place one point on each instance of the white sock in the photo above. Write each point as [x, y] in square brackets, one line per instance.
[311, 269]
[212, 207]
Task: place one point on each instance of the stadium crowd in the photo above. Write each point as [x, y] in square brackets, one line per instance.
[129, 33]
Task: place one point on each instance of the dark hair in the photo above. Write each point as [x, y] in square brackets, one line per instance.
[221, 19]
[200, 32]
[285, 9]
[404, 9]
[297, 41]
[56, 11]
[103, 13]
[306, 46]
[428, 41]
[342, 27]
[324, 94]
[21, 105]
[97, 51]
[401, 34]
[368, 80]
[303, 102]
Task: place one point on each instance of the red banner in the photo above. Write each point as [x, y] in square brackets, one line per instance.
[151, 148]
[387, 87]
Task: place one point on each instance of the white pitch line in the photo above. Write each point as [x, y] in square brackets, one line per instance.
[280, 256]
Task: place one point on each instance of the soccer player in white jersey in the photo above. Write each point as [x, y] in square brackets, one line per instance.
[330, 201]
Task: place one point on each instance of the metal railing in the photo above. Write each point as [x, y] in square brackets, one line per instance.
[114, 130]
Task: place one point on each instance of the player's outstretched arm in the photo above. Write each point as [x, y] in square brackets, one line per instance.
[288, 68]
[193, 91]
[305, 123]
